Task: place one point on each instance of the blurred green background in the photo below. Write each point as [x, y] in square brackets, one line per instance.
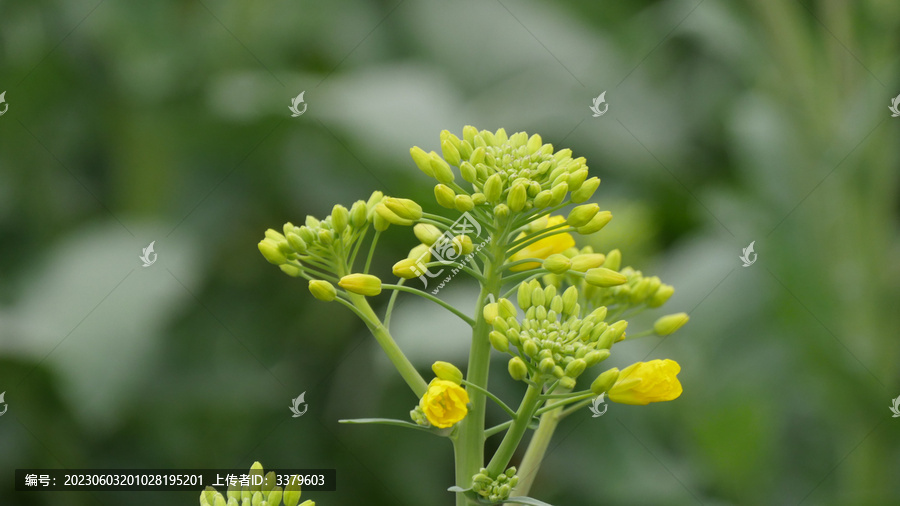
[167, 121]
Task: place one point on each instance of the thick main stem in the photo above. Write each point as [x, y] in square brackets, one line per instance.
[470, 441]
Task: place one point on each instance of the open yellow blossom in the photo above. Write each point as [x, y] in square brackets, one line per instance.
[444, 403]
[543, 248]
[645, 382]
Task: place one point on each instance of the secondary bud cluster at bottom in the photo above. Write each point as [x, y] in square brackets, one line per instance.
[495, 489]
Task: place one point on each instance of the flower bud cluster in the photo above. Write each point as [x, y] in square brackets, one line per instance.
[495, 489]
[552, 339]
[267, 494]
[510, 173]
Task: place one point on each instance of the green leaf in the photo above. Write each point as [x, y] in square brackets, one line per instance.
[521, 500]
[396, 423]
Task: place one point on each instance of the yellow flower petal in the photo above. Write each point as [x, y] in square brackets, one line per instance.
[543, 248]
[657, 382]
[444, 403]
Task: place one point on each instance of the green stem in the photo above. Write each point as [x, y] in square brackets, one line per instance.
[387, 343]
[432, 298]
[537, 447]
[492, 397]
[371, 251]
[470, 454]
[514, 435]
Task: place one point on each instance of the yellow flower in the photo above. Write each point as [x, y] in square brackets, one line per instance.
[543, 248]
[444, 403]
[645, 382]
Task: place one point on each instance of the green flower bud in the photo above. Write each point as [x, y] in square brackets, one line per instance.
[613, 260]
[605, 381]
[501, 211]
[663, 293]
[558, 192]
[516, 197]
[490, 312]
[322, 290]
[500, 324]
[380, 223]
[523, 295]
[451, 154]
[587, 261]
[326, 237]
[582, 215]
[517, 369]
[296, 242]
[420, 252]
[423, 161]
[586, 191]
[340, 218]
[477, 156]
[306, 234]
[534, 144]
[447, 371]
[594, 357]
[570, 300]
[478, 198]
[290, 270]
[462, 245]
[557, 263]
[576, 367]
[362, 284]
[469, 174]
[668, 324]
[499, 341]
[537, 296]
[427, 234]
[493, 188]
[358, 214]
[291, 495]
[530, 348]
[463, 203]
[274, 496]
[391, 217]
[271, 252]
[603, 277]
[567, 382]
[256, 500]
[445, 196]
[556, 304]
[404, 208]
[442, 171]
[597, 222]
[407, 269]
[543, 199]
[577, 178]
[469, 133]
[612, 334]
[507, 309]
[558, 372]
[546, 365]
